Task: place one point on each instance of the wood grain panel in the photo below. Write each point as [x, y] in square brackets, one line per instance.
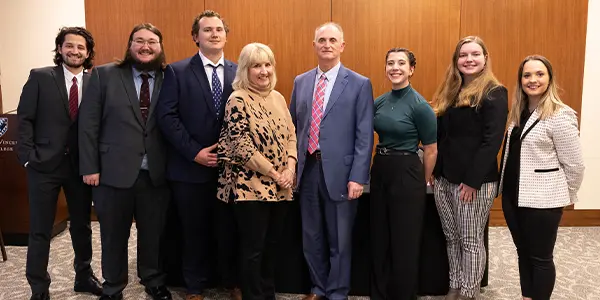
[513, 29]
[429, 28]
[111, 21]
[287, 27]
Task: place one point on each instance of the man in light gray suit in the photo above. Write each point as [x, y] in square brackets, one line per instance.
[122, 154]
[332, 109]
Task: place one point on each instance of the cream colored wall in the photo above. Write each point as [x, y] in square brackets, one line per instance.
[589, 196]
[27, 32]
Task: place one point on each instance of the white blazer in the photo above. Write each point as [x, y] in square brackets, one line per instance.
[551, 163]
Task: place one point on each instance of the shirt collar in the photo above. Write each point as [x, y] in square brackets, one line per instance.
[69, 76]
[137, 73]
[208, 62]
[332, 73]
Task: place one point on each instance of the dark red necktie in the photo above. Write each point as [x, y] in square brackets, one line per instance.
[145, 96]
[74, 100]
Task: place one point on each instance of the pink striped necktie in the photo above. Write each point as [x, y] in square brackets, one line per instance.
[317, 114]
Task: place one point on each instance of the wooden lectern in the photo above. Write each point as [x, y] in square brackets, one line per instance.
[14, 201]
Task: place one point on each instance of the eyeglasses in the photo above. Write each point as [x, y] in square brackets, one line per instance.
[140, 42]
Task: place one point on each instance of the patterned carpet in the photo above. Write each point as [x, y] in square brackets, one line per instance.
[577, 258]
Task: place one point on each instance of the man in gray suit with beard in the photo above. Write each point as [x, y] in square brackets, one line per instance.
[123, 158]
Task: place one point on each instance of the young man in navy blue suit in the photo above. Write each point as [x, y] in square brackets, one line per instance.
[332, 109]
[190, 110]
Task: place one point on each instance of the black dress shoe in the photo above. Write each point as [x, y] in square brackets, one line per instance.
[40, 296]
[159, 293]
[89, 285]
[118, 296]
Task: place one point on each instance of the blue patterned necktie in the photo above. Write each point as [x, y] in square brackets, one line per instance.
[217, 91]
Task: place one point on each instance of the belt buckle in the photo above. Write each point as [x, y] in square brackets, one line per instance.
[383, 151]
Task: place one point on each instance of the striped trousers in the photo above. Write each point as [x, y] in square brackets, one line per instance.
[464, 224]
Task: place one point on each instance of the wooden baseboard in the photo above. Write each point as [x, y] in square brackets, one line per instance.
[571, 217]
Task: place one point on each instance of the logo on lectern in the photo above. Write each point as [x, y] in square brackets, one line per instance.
[3, 126]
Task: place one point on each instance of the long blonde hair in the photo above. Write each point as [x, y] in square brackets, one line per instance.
[452, 92]
[549, 102]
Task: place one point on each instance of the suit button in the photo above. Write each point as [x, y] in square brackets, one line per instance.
[141, 153]
[145, 135]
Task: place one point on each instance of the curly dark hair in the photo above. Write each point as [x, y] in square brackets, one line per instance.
[208, 14]
[89, 41]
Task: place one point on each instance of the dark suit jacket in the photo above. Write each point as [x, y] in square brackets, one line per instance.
[46, 130]
[113, 137]
[188, 118]
[469, 140]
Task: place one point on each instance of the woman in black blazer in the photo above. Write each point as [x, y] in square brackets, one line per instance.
[472, 108]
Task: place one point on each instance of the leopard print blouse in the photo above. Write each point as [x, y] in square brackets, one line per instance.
[257, 135]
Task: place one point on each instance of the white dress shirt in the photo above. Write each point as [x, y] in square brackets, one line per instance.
[69, 82]
[331, 76]
[208, 68]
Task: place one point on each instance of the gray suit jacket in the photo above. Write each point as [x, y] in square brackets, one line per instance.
[113, 136]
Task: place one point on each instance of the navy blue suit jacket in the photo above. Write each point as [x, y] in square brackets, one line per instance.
[188, 118]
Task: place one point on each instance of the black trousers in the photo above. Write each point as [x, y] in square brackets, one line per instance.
[260, 225]
[206, 221]
[534, 234]
[43, 189]
[397, 208]
[116, 208]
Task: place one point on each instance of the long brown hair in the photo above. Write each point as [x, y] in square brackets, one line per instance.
[452, 92]
[550, 101]
[128, 59]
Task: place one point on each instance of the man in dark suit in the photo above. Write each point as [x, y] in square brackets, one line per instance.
[332, 109]
[190, 114]
[123, 157]
[48, 149]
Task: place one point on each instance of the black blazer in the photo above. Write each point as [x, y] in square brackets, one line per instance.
[188, 118]
[469, 140]
[113, 137]
[46, 131]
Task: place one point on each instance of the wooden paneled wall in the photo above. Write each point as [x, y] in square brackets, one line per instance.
[512, 29]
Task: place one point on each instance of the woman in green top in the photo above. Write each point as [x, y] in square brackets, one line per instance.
[403, 119]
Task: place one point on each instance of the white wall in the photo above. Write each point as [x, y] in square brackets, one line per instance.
[27, 32]
[589, 196]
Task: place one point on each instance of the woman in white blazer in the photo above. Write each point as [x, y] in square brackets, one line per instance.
[542, 169]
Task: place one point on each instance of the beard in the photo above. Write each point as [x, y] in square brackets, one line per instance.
[153, 65]
[73, 62]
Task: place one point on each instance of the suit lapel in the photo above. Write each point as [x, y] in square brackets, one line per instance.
[338, 87]
[127, 78]
[229, 76]
[532, 121]
[86, 78]
[311, 91]
[59, 79]
[158, 79]
[200, 73]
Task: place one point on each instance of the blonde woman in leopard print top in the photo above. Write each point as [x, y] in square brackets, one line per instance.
[257, 156]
